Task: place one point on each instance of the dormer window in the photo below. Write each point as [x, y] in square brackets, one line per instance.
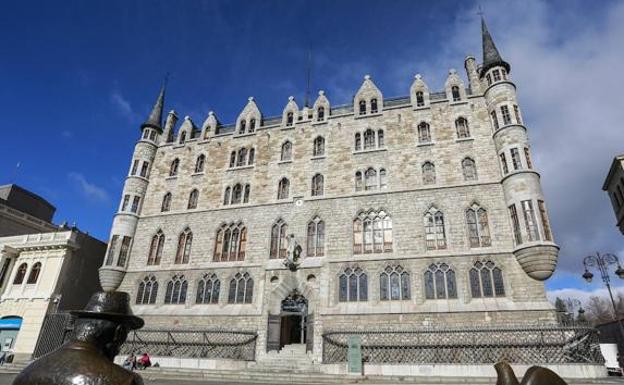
[362, 107]
[374, 106]
[252, 125]
[420, 99]
[289, 119]
[320, 114]
[243, 125]
[455, 93]
[183, 137]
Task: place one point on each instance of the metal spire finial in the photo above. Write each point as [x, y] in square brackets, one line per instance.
[306, 102]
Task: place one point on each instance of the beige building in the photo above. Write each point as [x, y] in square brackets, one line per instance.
[418, 211]
[614, 186]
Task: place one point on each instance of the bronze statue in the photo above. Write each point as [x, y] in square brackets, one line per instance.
[100, 330]
[536, 375]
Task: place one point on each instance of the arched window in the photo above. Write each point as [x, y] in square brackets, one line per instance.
[252, 125]
[478, 228]
[461, 125]
[317, 185]
[424, 135]
[369, 139]
[290, 119]
[352, 285]
[34, 273]
[242, 157]
[469, 168]
[362, 105]
[166, 203]
[193, 197]
[286, 151]
[279, 244]
[455, 93]
[183, 137]
[283, 188]
[320, 114]
[246, 194]
[208, 289]
[394, 284]
[173, 170]
[428, 173]
[199, 164]
[252, 156]
[147, 291]
[156, 248]
[374, 108]
[241, 289]
[372, 232]
[319, 146]
[370, 179]
[237, 193]
[358, 142]
[243, 127]
[230, 243]
[184, 246]
[486, 280]
[358, 181]
[226, 196]
[316, 238]
[440, 282]
[383, 180]
[435, 234]
[420, 99]
[380, 138]
[176, 290]
[233, 159]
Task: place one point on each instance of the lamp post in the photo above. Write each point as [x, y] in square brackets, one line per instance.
[602, 261]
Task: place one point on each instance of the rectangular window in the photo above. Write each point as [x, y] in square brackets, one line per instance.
[494, 120]
[517, 114]
[515, 159]
[503, 160]
[124, 205]
[545, 222]
[135, 204]
[4, 271]
[496, 74]
[112, 249]
[489, 79]
[144, 169]
[125, 249]
[506, 115]
[530, 221]
[516, 224]
[135, 166]
[527, 156]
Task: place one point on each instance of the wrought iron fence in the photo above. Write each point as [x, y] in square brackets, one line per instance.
[224, 344]
[56, 329]
[522, 345]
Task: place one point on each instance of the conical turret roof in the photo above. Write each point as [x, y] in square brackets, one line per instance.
[155, 118]
[491, 56]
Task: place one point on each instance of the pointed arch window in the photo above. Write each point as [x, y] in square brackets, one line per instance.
[478, 227]
[380, 138]
[241, 289]
[290, 119]
[252, 125]
[21, 273]
[394, 284]
[283, 188]
[440, 282]
[358, 142]
[317, 185]
[383, 179]
[166, 203]
[369, 139]
[316, 238]
[156, 248]
[34, 273]
[185, 241]
[469, 169]
[199, 163]
[237, 194]
[230, 243]
[424, 133]
[176, 290]
[420, 99]
[226, 196]
[372, 233]
[370, 179]
[279, 243]
[428, 173]
[243, 127]
[286, 151]
[486, 280]
[173, 169]
[435, 233]
[242, 157]
[352, 285]
[208, 289]
[455, 93]
[362, 105]
[183, 137]
[320, 114]
[246, 194]
[252, 156]
[319, 146]
[461, 125]
[147, 291]
[233, 159]
[374, 108]
[358, 181]
[193, 198]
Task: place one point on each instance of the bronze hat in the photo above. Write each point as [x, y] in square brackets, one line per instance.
[110, 305]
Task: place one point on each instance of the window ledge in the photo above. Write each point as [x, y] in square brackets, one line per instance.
[318, 157]
[505, 127]
[198, 173]
[516, 172]
[236, 168]
[370, 150]
[460, 140]
[320, 122]
[235, 205]
[421, 108]
[368, 115]
[245, 134]
[425, 144]
[458, 102]
[284, 161]
[315, 197]
[139, 177]
[286, 128]
[171, 177]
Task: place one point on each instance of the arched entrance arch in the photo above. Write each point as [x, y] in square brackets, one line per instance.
[292, 325]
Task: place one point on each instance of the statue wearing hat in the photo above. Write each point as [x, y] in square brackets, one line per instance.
[100, 330]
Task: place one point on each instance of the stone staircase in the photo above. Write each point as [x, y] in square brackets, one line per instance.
[291, 358]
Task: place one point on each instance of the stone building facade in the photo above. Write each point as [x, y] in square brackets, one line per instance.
[614, 186]
[417, 211]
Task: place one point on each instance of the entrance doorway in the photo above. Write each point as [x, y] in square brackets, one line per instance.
[292, 330]
[292, 326]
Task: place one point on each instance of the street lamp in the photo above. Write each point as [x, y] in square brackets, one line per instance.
[602, 262]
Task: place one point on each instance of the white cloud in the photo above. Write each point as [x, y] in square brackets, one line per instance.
[581, 295]
[123, 106]
[89, 190]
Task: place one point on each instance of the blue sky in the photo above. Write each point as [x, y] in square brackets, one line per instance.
[78, 78]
